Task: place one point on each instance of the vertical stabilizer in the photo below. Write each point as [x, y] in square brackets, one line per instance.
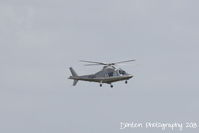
[74, 74]
[75, 82]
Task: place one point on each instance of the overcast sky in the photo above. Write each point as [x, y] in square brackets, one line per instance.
[41, 39]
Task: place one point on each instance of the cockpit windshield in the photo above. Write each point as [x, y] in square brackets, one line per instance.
[122, 72]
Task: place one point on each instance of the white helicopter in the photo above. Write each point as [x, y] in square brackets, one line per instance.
[108, 74]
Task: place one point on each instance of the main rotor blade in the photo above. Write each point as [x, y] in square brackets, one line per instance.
[92, 64]
[101, 63]
[122, 62]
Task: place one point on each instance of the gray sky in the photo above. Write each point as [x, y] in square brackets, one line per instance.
[40, 40]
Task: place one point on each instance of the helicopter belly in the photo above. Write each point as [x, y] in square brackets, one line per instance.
[115, 79]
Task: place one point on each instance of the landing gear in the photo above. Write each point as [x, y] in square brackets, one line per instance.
[100, 83]
[111, 86]
[126, 82]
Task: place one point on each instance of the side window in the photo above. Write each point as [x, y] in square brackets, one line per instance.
[110, 74]
[120, 72]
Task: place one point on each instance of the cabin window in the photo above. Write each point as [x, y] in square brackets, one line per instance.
[110, 74]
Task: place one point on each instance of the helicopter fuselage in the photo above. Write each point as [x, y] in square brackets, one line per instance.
[108, 74]
[108, 80]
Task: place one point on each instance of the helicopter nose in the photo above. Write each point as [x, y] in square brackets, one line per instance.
[130, 76]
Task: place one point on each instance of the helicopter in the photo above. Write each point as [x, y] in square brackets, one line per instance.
[108, 74]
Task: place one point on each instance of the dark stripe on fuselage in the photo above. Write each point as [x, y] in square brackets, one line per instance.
[107, 80]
